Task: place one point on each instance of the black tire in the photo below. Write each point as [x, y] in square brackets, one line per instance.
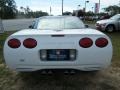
[110, 28]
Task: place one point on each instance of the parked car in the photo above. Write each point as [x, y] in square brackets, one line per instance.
[58, 42]
[105, 17]
[110, 25]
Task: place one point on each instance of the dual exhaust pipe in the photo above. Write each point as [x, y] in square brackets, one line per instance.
[50, 72]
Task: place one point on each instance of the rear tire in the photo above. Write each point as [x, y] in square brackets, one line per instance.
[110, 28]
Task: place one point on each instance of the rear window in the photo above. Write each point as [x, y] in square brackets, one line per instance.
[60, 23]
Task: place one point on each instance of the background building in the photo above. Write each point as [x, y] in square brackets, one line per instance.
[96, 8]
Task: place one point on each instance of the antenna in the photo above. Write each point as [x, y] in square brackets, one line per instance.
[62, 7]
[99, 5]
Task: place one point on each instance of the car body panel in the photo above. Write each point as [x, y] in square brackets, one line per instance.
[55, 32]
[108, 22]
[90, 57]
[87, 59]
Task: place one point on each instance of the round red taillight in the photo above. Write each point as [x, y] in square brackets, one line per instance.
[86, 42]
[30, 43]
[101, 42]
[14, 43]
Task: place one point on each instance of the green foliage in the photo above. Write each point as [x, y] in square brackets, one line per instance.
[89, 13]
[112, 9]
[81, 13]
[7, 9]
[28, 13]
[36, 14]
[67, 13]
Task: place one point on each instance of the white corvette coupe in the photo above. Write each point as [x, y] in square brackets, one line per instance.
[61, 42]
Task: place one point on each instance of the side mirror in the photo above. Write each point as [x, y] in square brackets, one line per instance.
[31, 26]
[86, 26]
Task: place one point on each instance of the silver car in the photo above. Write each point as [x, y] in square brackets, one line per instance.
[109, 25]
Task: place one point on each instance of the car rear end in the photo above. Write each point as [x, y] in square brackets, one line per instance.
[77, 49]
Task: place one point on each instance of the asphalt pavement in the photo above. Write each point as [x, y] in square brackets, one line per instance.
[92, 26]
[16, 24]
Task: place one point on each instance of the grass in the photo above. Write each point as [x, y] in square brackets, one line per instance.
[116, 48]
[108, 79]
[90, 22]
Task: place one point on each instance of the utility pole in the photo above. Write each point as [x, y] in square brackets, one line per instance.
[1, 25]
[85, 4]
[119, 7]
[93, 9]
[62, 6]
[99, 6]
[50, 10]
[77, 10]
[85, 8]
[78, 7]
[119, 3]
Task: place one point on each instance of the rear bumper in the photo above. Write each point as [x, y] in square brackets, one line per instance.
[28, 68]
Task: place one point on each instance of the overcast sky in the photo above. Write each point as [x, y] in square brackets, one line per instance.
[69, 5]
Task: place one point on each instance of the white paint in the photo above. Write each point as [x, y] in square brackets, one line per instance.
[87, 59]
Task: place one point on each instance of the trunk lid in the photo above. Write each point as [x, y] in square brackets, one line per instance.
[33, 32]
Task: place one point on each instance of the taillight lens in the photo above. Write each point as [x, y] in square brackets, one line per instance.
[14, 43]
[101, 42]
[30, 43]
[86, 42]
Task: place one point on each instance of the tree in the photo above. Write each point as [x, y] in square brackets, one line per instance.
[112, 9]
[38, 14]
[7, 9]
[89, 13]
[67, 13]
[28, 13]
[80, 13]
